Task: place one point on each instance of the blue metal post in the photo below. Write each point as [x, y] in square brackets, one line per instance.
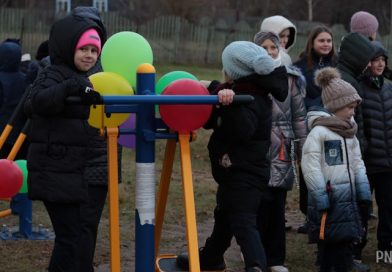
[22, 205]
[145, 174]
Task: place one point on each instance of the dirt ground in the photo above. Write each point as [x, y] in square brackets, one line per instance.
[174, 242]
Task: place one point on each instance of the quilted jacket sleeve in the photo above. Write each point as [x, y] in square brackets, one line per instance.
[312, 170]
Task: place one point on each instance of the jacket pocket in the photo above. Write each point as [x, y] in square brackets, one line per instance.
[333, 152]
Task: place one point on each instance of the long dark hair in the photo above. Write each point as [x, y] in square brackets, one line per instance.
[309, 45]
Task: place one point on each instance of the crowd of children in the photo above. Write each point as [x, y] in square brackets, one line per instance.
[323, 121]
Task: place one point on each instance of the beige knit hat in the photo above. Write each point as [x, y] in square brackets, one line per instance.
[336, 93]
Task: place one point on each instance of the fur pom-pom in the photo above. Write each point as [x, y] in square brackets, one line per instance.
[323, 77]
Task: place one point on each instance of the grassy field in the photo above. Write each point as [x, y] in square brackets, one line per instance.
[33, 256]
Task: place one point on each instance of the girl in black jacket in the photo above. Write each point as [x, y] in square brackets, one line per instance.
[238, 150]
[59, 132]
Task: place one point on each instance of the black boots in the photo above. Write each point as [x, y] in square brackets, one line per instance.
[209, 260]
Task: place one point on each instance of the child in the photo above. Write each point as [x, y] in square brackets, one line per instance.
[238, 150]
[12, 89]
[377, 101]
[286, 31]
[334, 172]
[59, 132]
[288, 125]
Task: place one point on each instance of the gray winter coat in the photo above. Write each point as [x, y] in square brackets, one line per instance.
[288, 131]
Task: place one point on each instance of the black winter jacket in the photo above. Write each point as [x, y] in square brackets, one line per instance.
[354, 55]
[238, 147]
[12, 87]
[59, 132]
[313, 92]
[377, 119]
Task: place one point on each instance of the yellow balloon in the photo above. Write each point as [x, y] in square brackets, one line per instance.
[107, 83]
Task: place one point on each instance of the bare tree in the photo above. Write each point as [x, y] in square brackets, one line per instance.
[311, 5]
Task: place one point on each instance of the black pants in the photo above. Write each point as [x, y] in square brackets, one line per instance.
[66, 224]
[272, 227]
[303, 194]
[334, 257]
[383, 191]
[236, 214]
[90, 212]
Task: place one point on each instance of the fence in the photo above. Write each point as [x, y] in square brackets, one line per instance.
[173, 39]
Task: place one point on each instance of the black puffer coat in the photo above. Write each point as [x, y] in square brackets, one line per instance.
[354, 55]
[59, 132]
[377, 119]
[239, 145]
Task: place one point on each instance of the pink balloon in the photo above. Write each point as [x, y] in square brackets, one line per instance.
[128, 140]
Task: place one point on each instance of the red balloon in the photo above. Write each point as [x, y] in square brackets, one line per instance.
[11, 178]
[186, 117]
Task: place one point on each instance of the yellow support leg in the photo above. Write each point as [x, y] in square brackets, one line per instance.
[4, 135]
[113, 200]
[163, 190]
[189, 201]
[5, 213]
[18, 143]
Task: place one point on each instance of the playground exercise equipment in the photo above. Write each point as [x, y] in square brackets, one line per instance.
[149, 213]
[20, 204]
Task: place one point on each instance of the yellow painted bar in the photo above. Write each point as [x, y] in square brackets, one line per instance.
[189, 201]
[114, 222]
[163, 190]
[5, 213]
[145, 68]
[4, 135]
[18, 143]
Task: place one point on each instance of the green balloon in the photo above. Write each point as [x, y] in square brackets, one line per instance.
[170, 77]
[22, 164]
[124, 52]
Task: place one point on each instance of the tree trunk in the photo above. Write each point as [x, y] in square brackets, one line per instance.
[390, 20]
[310, 10]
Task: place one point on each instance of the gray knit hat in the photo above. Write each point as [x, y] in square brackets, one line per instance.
[336, 93]
[243, 58]
[262, 36]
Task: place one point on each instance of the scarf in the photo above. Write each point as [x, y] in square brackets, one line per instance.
[346, 129]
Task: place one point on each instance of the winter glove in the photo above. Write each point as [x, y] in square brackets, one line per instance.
[90, 97]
